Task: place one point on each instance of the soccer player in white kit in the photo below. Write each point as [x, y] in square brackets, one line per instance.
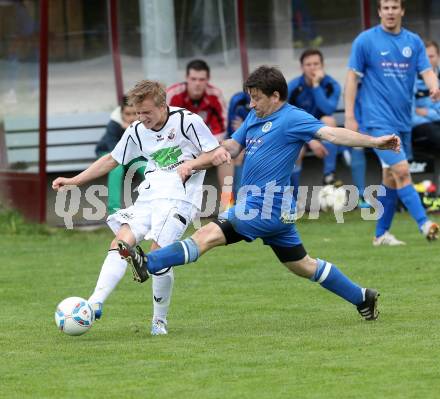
[166, 137]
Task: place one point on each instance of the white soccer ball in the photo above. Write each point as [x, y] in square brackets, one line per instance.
[332, 198]
[326, 198]
[74, 316]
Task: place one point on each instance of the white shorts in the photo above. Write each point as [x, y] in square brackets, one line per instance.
[161, 220]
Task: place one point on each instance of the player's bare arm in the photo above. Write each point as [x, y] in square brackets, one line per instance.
[431, 81]
[232, 147]
[205, 160]
[351, 83]
[350, 138]
[97, 169]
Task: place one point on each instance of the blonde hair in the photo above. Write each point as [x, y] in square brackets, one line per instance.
[147, 89]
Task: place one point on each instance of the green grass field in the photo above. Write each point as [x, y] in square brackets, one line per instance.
[241, 326]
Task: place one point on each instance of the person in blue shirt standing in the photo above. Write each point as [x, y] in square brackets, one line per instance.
[388, 57]
[318, 94]
[426, 113]
[272, 136]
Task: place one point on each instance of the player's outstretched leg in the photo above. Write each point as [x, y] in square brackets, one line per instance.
[331, 278]
[112, 271]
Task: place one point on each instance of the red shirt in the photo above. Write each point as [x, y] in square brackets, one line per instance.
[211, 107]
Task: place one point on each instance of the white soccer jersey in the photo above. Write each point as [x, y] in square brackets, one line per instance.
[183, 137]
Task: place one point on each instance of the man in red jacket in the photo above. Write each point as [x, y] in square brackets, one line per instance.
[197, 95]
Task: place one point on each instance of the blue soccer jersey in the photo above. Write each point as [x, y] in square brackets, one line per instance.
[388, 64]
[272, 145]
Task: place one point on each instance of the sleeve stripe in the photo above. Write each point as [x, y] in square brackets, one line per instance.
[125, 149]
[137, 135]
[195, 133]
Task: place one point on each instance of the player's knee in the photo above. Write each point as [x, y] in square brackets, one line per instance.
[401, 173]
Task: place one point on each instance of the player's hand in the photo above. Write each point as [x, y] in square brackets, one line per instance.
[184, 170]
[59, 183]
[351, 123]
[221, 156]
[435, 94]
[389, 142]
[318, 148]
[318, 75]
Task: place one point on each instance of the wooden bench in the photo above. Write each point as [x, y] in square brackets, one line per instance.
[71, 141]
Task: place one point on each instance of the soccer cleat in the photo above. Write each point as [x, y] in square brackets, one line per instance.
[368, 308]
[136, 259]
[158, 327]
[97, 310]
[387, 239]
[430, 230]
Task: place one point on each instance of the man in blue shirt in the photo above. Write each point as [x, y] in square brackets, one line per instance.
[318, 94]
[388, 57]
[426, 113]
[272, 136]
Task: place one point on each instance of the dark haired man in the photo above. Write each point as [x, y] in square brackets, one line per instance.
[272, 136]
[197, 95]
[317, 93]
[388, 57]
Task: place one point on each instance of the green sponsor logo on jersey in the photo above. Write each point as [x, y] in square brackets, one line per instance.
[167, 156]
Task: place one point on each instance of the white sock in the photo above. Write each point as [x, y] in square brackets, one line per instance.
[162, 289]
[112, 271]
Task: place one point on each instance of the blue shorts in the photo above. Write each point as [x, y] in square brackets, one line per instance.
[273, 228]
[387, 157]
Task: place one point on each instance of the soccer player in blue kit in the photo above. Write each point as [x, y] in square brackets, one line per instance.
[388, 57]
[272, 136]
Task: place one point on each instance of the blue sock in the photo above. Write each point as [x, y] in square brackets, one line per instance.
[294, 180]
[175, 254]
[358, 167]
[330, 159]
[410, 198]
[389, 203]
[331, 278]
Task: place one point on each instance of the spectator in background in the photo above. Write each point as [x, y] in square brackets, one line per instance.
[318, 94]
[121, 118]
[197, 95]
[426, 113]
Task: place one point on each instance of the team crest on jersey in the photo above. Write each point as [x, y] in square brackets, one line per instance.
[172, 134]
[407, 52]
[266, 127]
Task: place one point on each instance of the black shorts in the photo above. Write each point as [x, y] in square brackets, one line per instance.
[284, 254]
